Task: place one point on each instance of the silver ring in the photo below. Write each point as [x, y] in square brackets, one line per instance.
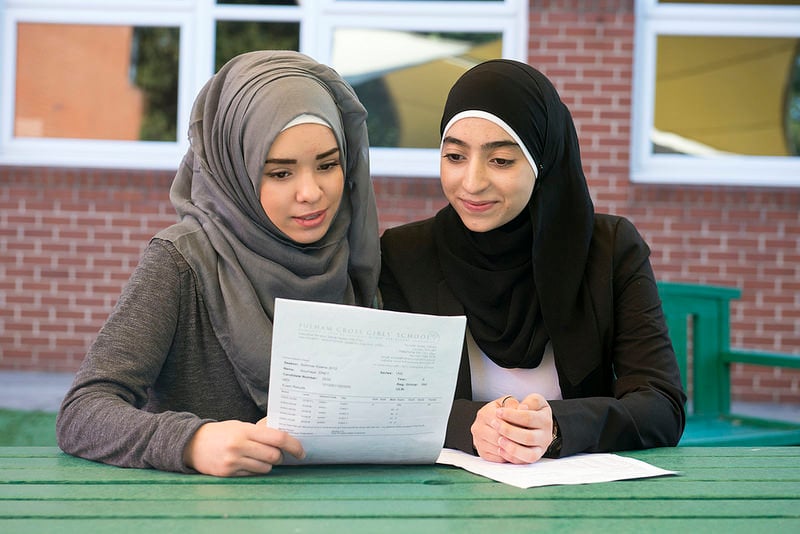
[503, 402]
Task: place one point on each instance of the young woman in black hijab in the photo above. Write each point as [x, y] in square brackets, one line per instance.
[567, 350]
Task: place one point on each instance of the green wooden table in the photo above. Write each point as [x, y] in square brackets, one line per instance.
[724, 490]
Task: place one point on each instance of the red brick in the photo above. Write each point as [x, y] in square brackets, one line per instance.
[728, 235]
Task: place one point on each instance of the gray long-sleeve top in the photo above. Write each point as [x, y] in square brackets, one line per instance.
[154, 374]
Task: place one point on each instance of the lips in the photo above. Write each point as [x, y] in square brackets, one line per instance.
[310, 220]
[477, 206]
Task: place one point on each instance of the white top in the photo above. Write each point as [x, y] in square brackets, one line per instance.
[490, 381]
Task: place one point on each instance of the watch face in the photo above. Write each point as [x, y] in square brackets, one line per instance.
[555, 443]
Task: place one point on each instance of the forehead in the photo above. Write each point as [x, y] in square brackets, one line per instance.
[475, 130]
[303, 138]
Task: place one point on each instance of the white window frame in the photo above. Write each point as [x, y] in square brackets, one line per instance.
[654, 19]
[196, 20]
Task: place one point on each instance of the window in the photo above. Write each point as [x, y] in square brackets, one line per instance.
[717, 92]
[121, 94]
[111, 84]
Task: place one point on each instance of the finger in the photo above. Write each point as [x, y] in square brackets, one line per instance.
[485, 433]
[518, 434]
[506, 401]
[248, 466]
[510, 421]
[515, 453]
[252, 453]
[484, 439]
[246, 458]
[294, 447]
[488, 450]
[534, 401]
[490, 456]
[512, 442]
[526, 418]
[279, 439]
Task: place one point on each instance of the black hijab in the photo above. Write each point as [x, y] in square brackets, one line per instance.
[520, 283]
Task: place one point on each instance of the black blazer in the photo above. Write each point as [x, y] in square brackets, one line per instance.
[623, 393]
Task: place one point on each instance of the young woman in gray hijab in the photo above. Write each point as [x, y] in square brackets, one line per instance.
[567, 349]
[275, 200]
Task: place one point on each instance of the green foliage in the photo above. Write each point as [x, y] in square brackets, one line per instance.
[155, 61]
[155, 67]
[792, 111]
[234, 38]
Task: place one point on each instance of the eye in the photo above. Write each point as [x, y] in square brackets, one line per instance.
[277, 174]
[453, 157]
[329, 165]
[503, 162]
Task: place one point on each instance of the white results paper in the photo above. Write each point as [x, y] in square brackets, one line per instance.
[577, 469]
[360, 385]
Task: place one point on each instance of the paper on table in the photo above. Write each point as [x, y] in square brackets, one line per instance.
[360, 385]
[578, 469]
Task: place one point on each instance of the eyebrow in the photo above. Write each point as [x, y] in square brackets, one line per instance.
[318, 157]
[328, 153]
[486, 146]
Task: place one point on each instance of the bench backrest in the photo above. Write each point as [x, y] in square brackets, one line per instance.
[698, 319]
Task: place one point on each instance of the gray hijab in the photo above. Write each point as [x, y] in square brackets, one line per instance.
[241, 260]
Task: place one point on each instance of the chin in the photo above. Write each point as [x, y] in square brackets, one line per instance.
[479, 227]
[307, 238]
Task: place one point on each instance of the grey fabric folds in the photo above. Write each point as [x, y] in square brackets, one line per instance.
[242, 261]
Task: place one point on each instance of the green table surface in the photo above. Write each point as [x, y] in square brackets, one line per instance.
[729, 489]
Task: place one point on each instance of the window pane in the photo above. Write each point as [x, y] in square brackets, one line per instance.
[734, 95]
[403, 77]
[260, 2]
[792, 116]
[236, 37]
[409, 1]
[96, 82]
[735, 2]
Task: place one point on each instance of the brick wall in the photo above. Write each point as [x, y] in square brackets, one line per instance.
[736, 236]
[69, 238]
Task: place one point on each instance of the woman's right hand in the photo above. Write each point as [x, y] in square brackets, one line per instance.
[507, 430]
[236, 448]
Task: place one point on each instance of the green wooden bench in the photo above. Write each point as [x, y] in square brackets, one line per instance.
[698, 318]
[27, 427]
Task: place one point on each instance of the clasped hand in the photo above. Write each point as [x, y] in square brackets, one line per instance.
[236, 448]
[513, 431]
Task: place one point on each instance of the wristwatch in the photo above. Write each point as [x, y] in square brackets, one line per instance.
[555, 445]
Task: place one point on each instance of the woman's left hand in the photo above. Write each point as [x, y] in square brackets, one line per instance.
[506, 430]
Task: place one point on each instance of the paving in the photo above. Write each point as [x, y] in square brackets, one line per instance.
[34, 390]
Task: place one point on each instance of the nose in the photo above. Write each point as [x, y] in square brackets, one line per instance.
[474, 180]
[308, 188]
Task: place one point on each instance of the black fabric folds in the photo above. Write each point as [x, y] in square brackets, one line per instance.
[520, 284]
